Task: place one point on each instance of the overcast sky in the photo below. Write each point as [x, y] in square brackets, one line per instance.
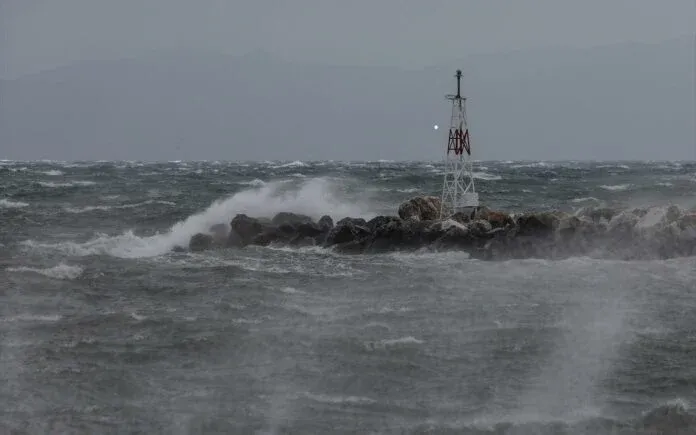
[41, 34]
[640, 101]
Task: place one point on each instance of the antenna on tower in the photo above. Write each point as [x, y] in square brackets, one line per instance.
[458, 189]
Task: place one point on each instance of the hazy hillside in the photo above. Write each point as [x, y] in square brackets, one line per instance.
[618, 102]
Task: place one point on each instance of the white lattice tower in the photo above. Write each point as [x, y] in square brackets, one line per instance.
[458, 189]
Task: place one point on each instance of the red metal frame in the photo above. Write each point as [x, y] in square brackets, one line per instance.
[458, 141]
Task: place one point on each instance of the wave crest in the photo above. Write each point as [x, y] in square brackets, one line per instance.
[314, 197]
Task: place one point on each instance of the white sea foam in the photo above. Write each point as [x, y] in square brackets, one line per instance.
[68, 184]
[486, 176]
[314, 197]
[53, 173]
[531, 165]
[110, 207]
[62, 271]
[6, 203]
[255, 182]
[393, 342]
[295, 164]
[616, 187]
[339, 400]
[585, 199]
[32, 318]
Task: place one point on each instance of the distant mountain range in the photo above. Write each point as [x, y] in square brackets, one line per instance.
[625, 101]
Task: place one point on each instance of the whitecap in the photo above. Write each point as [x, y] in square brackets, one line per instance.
[616, 187]
[110, 207]
[487, 176]
[393, 342]
[295, 164]
[338, 400]
[6, 203]
[69, 184]
[62, 271]
[255, 182]
[290, 290]
[585, 199]
[53, 173]
[32, 318]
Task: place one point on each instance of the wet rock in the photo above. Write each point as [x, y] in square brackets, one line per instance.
[355, 221]
[645, 233]
[309, 229]
[453, 237]
[381, 221]
[497, 219]
[389, 233]
[325, 223]
[245, 228]
[462, 217]
[201, 242]
[421, 208]
[290, 218]
[346, 231]
[480, 228]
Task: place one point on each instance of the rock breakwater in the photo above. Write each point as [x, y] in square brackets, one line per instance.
[629, 234]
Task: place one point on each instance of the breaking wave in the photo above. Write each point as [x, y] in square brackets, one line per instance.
[314, 197]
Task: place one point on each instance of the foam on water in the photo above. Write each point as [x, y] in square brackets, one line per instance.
[486, 176]
[61, 271]
[110, 207]
[6, 203]
[616, 187]
[68, 184]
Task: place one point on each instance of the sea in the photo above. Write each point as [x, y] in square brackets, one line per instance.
[105, 328]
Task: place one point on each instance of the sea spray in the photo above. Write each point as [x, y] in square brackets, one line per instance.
[313, 197]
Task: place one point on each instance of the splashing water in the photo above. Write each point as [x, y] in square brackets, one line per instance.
[314, 197]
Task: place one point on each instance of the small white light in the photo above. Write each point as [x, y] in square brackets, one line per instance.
[435, 127]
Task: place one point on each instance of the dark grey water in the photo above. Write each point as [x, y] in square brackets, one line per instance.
[105, 330]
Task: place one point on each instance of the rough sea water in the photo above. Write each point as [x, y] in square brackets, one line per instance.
[103, 329]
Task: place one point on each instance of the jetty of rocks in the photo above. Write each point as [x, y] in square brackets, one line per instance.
[630, 234]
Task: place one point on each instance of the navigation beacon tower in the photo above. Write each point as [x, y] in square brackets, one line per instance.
[458, 190]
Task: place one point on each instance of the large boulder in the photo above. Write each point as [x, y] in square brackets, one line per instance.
[389, 233]
[201, 242]
[326, 223]
[285, 217]
[425, 208]
[355, 221]
[456, 236]
[497, 219]
[245, 228]
[346, 231]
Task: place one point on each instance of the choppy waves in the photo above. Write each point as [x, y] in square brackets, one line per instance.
[311, 341]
